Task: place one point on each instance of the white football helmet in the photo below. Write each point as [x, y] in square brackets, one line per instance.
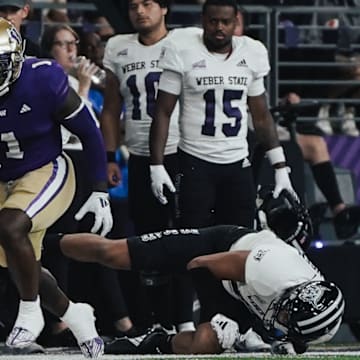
[11, 54]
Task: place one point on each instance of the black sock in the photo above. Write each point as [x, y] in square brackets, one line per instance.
[165, 345]
[325, 179]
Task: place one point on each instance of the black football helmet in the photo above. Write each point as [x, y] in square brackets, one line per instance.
[286, 216]
[310, 313]
[11, 54]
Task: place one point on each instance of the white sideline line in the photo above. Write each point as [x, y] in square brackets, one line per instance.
[68, 356]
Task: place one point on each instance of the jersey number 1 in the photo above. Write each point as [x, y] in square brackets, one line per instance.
[13, 146]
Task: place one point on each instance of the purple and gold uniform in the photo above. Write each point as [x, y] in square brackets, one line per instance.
[35, 175]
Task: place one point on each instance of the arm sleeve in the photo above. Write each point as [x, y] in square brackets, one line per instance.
[109, 54]
[261, 68]
[257, 87]
[270, 277]
[170, 82]
[81, 123]
[261, 65]
[56, 80]
[170, 59]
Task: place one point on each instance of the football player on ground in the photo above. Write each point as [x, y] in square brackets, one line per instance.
[133, 74]
[37, 184]
[216, 76]
[230, 265]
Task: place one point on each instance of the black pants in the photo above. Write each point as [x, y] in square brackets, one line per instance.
[170, 251]
[212, 194]
[146, 212]
[165, 299]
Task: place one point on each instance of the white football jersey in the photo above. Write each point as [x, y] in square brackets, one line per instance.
[271, 268]
[213, 95]
[136, 66]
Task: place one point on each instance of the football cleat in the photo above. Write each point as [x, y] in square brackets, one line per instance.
[28, 325]
[20, 338]
[147, 343]
[81, 321]
[93, 348]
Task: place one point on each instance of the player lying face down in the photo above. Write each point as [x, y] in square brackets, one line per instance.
[230, 265]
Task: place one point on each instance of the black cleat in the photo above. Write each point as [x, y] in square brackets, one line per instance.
[148, 343]
[347, 221]
[131, 333]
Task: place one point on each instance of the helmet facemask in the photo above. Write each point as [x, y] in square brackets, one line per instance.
[309, 314]
[11, 55]
[286, 217]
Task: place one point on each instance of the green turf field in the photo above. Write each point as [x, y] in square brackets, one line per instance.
[352, 355]
[349, 351]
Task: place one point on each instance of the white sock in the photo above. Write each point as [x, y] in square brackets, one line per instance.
[186, 326]
[80, 319]
[30, 316]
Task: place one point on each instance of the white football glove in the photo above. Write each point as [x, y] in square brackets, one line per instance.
[98, 203]
[227, 330]
[159, 178]
[282, 181]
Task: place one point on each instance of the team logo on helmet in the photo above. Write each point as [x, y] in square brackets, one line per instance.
[310, 313]
[313, 295]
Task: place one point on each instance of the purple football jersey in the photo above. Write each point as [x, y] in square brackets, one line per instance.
[29, 130]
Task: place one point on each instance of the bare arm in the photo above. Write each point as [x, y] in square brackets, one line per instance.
[224, 265]
[267, 136]
[110, 115]
[95, 248]
[165, 104]
[201, 341]
[263, 123]
[110, 124]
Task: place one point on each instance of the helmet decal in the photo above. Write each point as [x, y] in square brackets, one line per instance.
[314, 313]
[313, 294]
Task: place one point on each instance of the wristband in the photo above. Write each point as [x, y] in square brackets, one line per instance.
[276, 155]
[111, 156]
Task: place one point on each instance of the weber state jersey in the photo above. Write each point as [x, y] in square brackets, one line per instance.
[213, 95]
[30, 133]
[272, 267]
[136, 66]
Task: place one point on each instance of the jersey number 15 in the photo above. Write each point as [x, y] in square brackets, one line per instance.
[230, 111]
